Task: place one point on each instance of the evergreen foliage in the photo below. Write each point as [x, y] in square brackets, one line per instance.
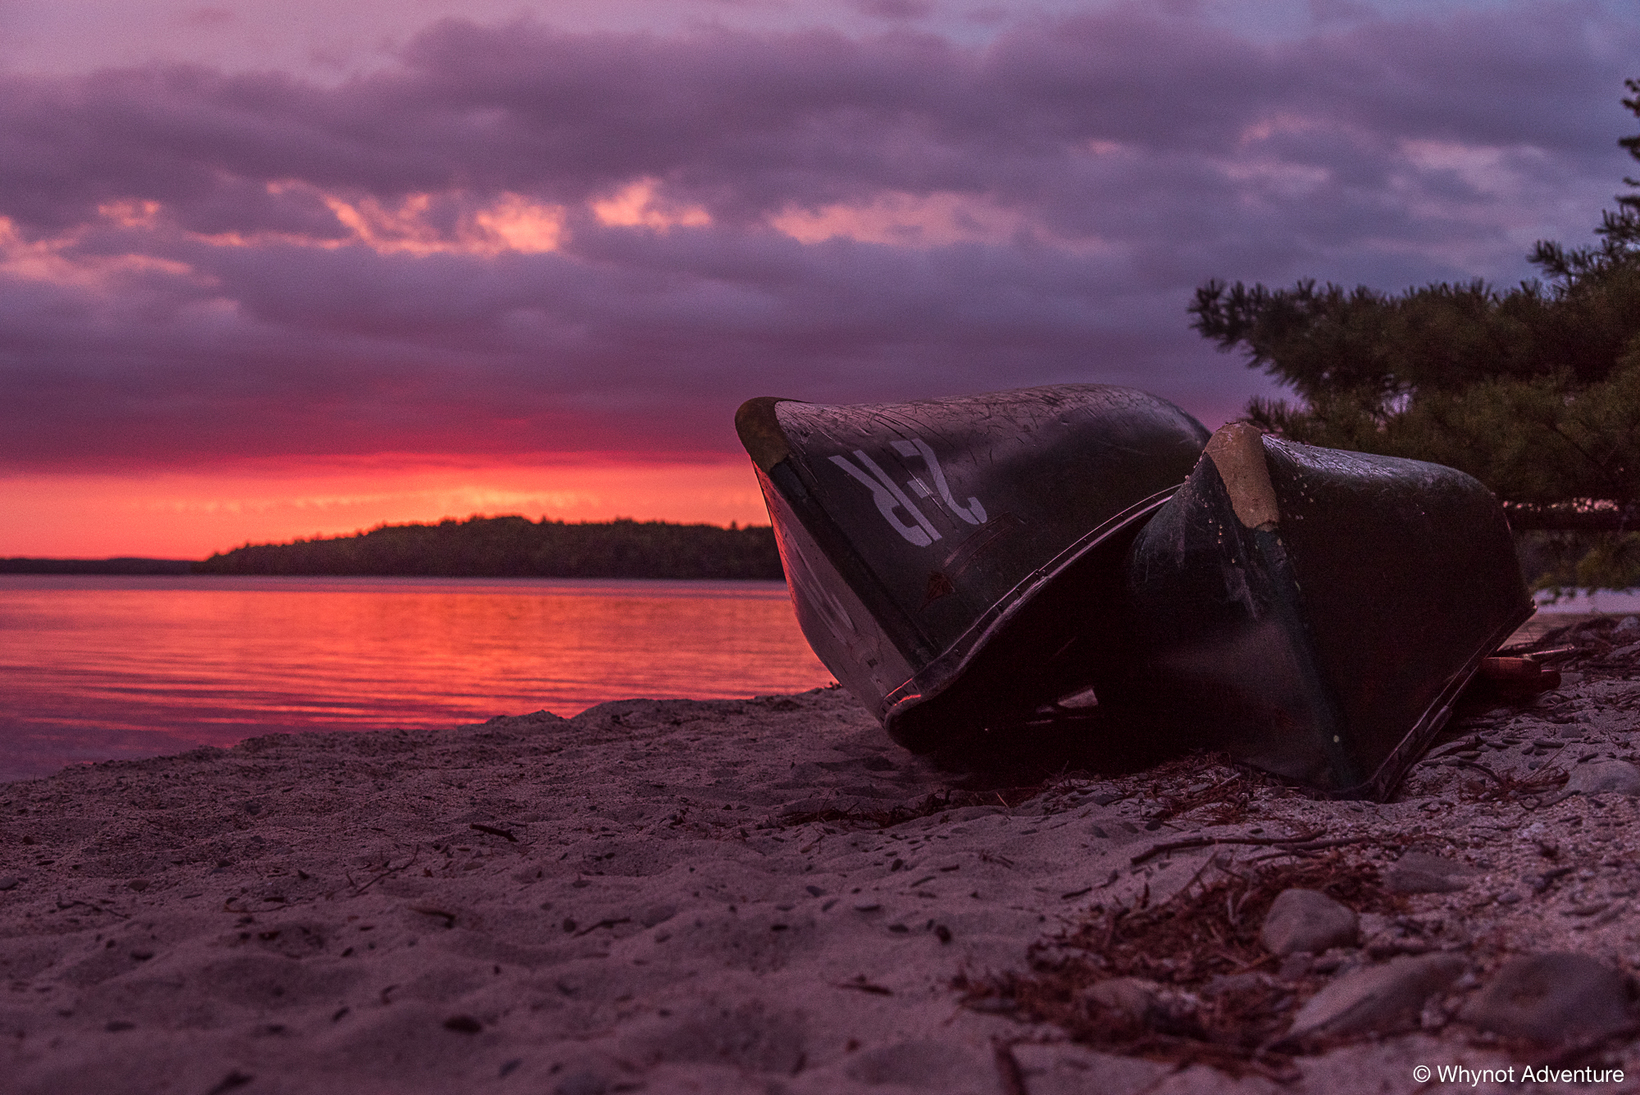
[516, 547]
[1534, 390]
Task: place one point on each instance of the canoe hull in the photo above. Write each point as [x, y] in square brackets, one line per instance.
[920, 540]
[1315, 612]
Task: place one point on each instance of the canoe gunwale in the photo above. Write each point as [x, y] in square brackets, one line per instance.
[1411, 748]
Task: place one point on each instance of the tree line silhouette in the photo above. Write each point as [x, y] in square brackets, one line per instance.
[516, 547]
[124, 565]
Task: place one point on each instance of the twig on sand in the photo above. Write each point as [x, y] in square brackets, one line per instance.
[860, 984]
[609, 922]
[232, 1080]
[493, 831]
[1483, 769]
[387, 870]
[449, 918]
[1286, 845]
[1208, 841]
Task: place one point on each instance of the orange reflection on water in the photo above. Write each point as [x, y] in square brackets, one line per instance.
[117, 667]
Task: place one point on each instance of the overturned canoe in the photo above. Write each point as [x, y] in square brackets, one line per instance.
[1315, 612]
[956, 562]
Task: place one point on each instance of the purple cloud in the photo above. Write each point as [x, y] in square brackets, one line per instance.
[526, 240]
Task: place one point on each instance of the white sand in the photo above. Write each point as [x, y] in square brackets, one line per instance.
[320, 912]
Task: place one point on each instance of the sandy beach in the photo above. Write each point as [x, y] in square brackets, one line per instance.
[769, 896]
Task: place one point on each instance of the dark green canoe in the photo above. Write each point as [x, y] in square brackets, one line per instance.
[1315, 612]
[959, 563]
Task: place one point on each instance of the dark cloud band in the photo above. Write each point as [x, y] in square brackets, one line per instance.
[522, 239]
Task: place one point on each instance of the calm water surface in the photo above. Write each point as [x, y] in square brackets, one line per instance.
[93, 668]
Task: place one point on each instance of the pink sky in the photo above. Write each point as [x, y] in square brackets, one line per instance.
[270, 271]
[187, 515]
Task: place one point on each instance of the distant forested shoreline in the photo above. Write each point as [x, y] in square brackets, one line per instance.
[516, 547]
[126, 565]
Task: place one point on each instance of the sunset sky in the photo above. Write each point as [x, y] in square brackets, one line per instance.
[277, 269]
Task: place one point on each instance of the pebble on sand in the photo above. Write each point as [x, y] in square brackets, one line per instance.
[1551, 998]
[1420, 872]
[1307, 921]
[1134, 1001]
[1376, 998]
[1603, 776]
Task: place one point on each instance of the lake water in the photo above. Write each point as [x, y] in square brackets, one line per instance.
[93, 668]
[1608, 602]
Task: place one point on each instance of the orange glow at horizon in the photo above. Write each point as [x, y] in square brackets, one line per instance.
[192, 515]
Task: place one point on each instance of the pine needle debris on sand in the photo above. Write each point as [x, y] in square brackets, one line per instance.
[1186, 980]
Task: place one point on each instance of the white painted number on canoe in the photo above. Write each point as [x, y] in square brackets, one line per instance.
[973, 512]
[892, 500]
